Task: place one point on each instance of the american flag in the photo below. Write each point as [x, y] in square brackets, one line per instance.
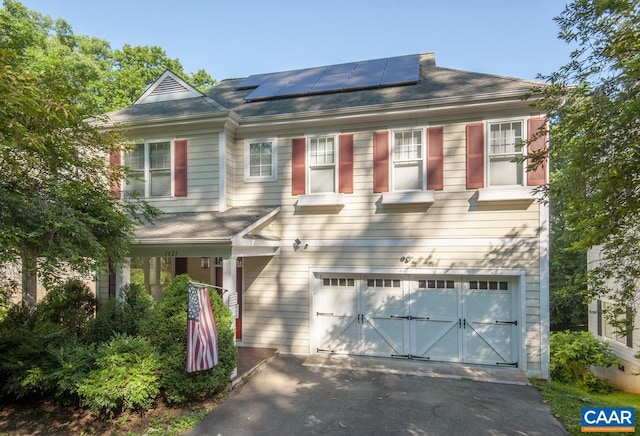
[202, 336]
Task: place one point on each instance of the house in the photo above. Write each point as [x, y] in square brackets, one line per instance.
[625, 373]
[371, 208]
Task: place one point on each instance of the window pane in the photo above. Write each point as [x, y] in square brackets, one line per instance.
[407, 176]
[135, 184]
[322, 179]
[504, 141]
[160, 183]
[159, 155]
[502, 171]
[261, 159]
[134, 159]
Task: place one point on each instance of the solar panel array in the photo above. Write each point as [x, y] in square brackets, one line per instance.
[334, 78]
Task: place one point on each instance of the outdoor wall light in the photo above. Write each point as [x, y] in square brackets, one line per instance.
[298, 241]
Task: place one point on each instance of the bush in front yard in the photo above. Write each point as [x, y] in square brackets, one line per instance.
[167, 332]
[121, 316]
[572, 355]
[126, 377]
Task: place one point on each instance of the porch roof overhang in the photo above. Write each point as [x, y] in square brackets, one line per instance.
[234, 232]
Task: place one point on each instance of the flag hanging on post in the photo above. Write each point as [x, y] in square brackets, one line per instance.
[202, 336]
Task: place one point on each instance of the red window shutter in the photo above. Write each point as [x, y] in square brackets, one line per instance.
[116, 185]
[180, 168]
[435, 158]
[538, 176]
[346, 164]
[298, 166]
[381, 162]
[475, 156]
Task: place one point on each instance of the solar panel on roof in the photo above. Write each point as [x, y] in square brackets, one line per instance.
[334, 78]
[253, 81]
[402, 69]
[367, 74]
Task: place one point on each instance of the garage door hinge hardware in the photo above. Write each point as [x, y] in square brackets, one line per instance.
[324, 313]
[411, 356]
[322, 350]
[508, 322]
[408, 317]
[462, 322]
[507, 363]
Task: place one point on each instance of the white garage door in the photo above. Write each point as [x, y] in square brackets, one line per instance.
[471, 320]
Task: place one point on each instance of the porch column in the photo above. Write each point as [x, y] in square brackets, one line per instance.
[154, 278]
[123, 276]
[229, 273]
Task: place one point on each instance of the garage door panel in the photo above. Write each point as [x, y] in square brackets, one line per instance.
[337, 334]
[488, 306]
[437, 340]
[489, 344]
[440, 304]
[383, 337]
[336, 301]
[383, 302]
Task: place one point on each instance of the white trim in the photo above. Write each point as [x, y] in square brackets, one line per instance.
[336, 161]
[420, 242]
[248, 178]
[423, 148]
[408, 197]
[518, 275]
[510, 193]
[222, 171]
[187, 91]
[487, 133]
[147, 169]
[544, 289]
[322, 199]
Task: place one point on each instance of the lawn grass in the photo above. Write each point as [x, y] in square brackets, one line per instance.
[566, 401]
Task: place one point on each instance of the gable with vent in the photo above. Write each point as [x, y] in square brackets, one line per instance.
[168, 87]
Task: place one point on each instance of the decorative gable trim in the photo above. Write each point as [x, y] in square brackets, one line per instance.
[168, 87]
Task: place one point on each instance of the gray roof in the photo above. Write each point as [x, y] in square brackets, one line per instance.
[435, 83]
[203, 226]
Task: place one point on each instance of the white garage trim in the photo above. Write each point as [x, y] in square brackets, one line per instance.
[516, 275]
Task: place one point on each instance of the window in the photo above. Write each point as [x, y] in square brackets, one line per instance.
[260, 160]
[608, 330]
[408, 160]
[322, 164]
[150, 169]
[505, 140]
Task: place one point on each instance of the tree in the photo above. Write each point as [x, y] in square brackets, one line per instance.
[56, 208]
[594, 104]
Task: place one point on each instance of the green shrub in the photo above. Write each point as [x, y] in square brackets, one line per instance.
[126, 377]
[71, 305]
[572, 355]
[121, 316]
[167, 332]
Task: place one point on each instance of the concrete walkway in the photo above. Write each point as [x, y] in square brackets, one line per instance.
[322, 395]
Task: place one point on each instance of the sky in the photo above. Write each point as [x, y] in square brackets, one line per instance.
[237, 38]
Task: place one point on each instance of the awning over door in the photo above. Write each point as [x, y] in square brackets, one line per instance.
[239, 231]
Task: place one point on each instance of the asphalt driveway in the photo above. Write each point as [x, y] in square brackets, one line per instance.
[288, 398]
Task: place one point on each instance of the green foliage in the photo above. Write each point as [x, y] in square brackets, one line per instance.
[167, 332]
[71, 305]
[592, 102]
[121, 316]
[572, 355]
[126, 377]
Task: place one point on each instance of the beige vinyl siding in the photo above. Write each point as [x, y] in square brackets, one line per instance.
[366, 234]
[277, 301]
[202, 178]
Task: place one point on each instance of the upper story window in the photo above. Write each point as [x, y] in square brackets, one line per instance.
[408, 160]
[260, 160]
[322, 164]
[150, 169]
[505, 165]
[605, 314]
